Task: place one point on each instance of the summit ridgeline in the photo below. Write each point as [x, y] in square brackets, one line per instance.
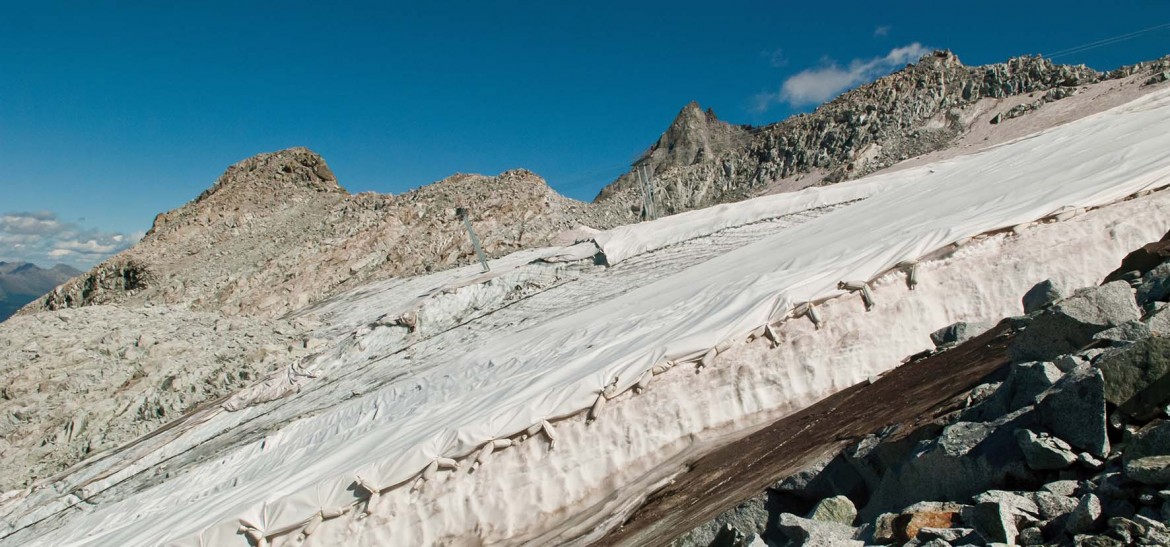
[925, 107]
[277, 232]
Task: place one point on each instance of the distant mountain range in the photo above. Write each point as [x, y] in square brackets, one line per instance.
[23, 282]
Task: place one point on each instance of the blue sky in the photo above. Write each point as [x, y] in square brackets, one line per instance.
[111, 112]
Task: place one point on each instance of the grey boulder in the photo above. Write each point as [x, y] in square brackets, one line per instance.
[1126, 333]
[1026, 382]
[811, 533]
[1086, 517]
[837, 509]
[1052, 505]
[1040, 296]
[1158, 322]
[1070, 324]
[1136, 378]
[1044, 452]
[1154, 286]
[957, 333]
[1074, 410]
[1147, 456]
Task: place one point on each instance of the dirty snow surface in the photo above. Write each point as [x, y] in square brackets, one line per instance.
[538, 402]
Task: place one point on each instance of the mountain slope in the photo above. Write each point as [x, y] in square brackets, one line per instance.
[277, 232]
[429, 413]
[23, 282]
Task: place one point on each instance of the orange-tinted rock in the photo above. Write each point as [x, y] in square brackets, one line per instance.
[907, 525]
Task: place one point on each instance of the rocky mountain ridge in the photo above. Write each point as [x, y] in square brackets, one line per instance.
[701, 161]
[277, 232]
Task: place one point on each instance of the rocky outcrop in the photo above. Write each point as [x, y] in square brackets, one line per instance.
[700, 161]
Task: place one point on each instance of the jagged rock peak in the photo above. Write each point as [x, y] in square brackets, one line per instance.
[693, 112]
[296, 168]
[695, 136]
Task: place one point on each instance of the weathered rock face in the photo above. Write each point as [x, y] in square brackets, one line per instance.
[837, 509]
[700, 161]
[277, 232]
[1043, 452]
[1074, 410]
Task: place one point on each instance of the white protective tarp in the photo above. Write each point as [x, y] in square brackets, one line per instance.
[557, 368]
[623, 242]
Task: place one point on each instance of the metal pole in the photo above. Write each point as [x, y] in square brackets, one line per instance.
[647, 191]
[641, 184]
[462, 214]
[650, 192]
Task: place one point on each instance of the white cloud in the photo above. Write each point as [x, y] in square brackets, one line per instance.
[817, 85]
[881, 31]
[42, 238]
[40, 222]
[87, 246]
